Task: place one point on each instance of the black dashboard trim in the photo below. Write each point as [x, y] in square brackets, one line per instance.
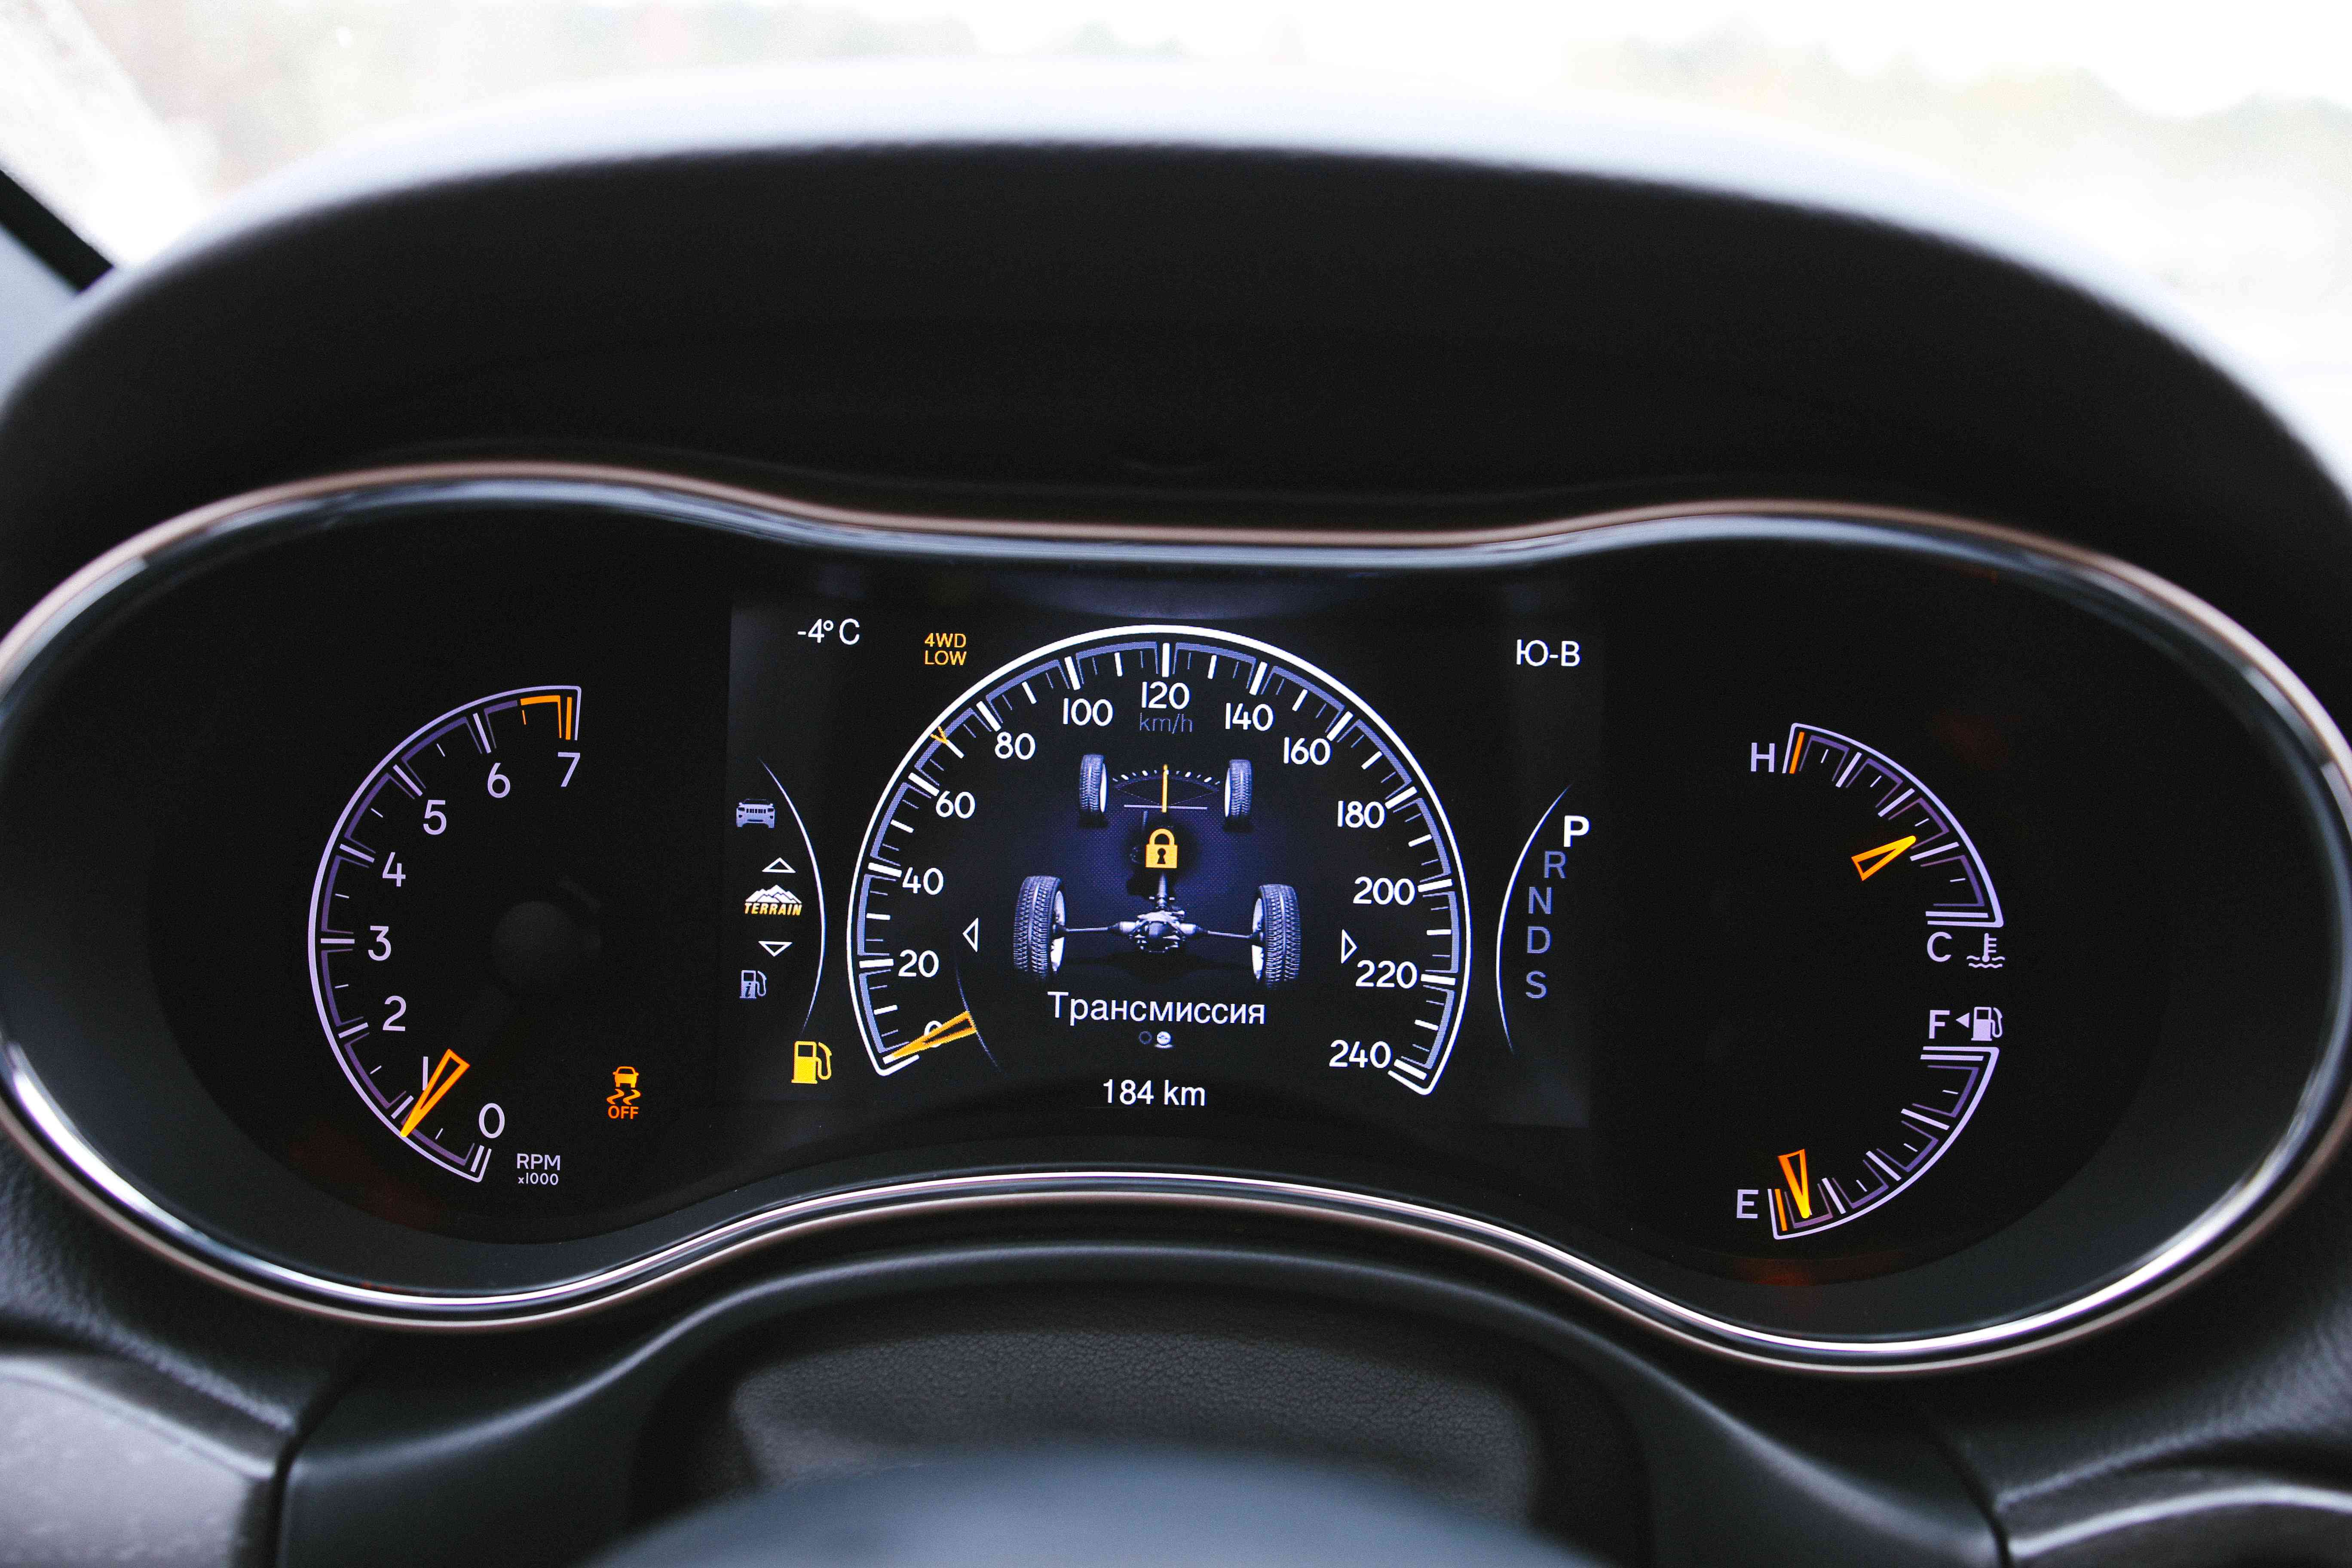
[44, 1130]
[545, 1475]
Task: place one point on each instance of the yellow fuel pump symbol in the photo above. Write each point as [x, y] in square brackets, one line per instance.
[812, 1061]
[1160, 851]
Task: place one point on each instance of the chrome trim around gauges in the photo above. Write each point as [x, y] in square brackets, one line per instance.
[45, 1132]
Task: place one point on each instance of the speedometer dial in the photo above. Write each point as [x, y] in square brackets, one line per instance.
[1160, 849]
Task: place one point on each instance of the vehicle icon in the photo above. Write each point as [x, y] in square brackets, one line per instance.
[755, 814]
[1040, 927]
[621, 1105]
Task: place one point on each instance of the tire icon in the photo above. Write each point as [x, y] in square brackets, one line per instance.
[1237, 790]
[1273, 935]
[1038, 916]
[1094, 787]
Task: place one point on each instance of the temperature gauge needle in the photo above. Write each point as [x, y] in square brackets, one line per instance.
[1871, 862]
[451, 1068]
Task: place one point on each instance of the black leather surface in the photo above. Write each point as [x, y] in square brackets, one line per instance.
[102, 1462]
[65, 1279]
[2184, 1519]
[1133, 1510]
[1445, 1410]
[537, 1449]
[2252, 1369]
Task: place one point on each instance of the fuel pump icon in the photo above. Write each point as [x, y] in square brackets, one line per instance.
[1984, 1024]
[812, 1061]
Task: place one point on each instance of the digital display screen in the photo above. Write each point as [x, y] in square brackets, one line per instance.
[1126, 871]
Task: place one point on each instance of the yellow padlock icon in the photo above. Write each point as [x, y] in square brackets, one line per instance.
[1160, 851]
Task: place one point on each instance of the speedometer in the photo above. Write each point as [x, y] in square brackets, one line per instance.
[1158, 851]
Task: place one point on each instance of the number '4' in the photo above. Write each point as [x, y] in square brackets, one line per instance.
[392, 873]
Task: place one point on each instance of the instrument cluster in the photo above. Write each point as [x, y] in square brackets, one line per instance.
[1837, 938]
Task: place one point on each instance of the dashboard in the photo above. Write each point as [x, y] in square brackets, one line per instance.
[1721, 914]
[1618, 824]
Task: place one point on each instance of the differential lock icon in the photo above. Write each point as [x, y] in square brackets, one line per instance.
[1040, 927]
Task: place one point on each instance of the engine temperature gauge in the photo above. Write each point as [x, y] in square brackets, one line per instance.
[1922, 856]
[1800, 1008]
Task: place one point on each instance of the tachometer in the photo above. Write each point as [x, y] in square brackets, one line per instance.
[455, 940]
[1160, 848]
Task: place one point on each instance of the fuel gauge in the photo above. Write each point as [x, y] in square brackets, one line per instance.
[1900, 1110]
[1822, 992]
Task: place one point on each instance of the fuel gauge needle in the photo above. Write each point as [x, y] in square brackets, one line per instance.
[452, 1067]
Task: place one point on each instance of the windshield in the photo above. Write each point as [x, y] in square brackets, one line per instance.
[2211, 149]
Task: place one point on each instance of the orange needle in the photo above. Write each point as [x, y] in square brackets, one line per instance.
[434, 1088]
[1871, 862]
[1801, 1185]
[955, 1028]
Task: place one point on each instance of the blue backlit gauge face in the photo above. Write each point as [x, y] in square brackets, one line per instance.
[1162, 855]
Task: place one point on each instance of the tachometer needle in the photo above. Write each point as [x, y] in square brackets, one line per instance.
[451, 1068]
